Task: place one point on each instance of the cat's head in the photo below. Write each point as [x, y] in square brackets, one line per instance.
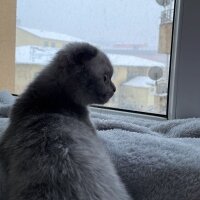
[87, 73]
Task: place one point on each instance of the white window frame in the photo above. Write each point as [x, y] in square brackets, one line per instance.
[184, 101]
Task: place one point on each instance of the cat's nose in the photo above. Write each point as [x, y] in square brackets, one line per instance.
[114, 88]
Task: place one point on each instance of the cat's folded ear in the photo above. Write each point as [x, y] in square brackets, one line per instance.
[76, 54]
[83, 52]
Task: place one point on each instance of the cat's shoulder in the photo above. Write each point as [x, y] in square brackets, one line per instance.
[56, 124]
[51, 120]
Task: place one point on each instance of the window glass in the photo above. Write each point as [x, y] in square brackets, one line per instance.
[135, 34]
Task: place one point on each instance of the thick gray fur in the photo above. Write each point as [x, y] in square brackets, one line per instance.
[50, 147]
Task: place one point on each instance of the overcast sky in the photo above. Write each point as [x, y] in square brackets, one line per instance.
[124, 21]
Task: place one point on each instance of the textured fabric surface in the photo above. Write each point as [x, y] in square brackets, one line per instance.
[157, 160]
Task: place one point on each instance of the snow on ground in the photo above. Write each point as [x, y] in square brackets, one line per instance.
[128, 60]
[140, 81]
[34, 55]
[42, 55]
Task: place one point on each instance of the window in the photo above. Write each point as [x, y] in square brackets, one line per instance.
[183, 95]
[136, 36]
[53, 44]
[126, 43]
[46, 43]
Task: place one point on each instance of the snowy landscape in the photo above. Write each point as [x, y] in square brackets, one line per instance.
[127, 31]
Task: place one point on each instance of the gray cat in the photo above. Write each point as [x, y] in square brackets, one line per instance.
[51, 149]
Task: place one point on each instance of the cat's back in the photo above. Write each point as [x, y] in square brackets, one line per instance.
[67, 153]
[44, 128]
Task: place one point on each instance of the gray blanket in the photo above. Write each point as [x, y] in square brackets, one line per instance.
[157, 160]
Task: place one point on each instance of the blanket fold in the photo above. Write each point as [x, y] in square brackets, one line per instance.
[157, 160]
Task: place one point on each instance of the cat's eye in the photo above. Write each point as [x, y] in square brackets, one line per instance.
[105, 78]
